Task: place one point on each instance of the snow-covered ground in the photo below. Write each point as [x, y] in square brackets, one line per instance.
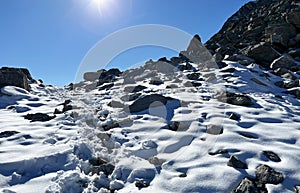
[56, 155]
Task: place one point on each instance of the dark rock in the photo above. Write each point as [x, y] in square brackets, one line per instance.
[156, 82]
[196, 84]
[107, 169]
[116, 104]
[220, 151]
[134, 89]
[39, 117]
[193, 76]
[108, 127]
[102, 75]
[248, 135]
[280, 71]
[235, 99]
[284, 61]
[267, 175]
[294, 53]
[288, 85]
[15, 77]
[144, 102]
[248, 186]
[214, 129]
[234, 116]
[141, 185]
[297, 188]
[272, 156]
[174, 125]
[8, 133]
[262, 53]
[280, 34]
[289, 75]
[294, 18]
[97, 161]
[229, 70]
[183, 175]
[236, 163]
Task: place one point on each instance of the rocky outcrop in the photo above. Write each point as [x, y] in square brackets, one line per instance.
[15, 77]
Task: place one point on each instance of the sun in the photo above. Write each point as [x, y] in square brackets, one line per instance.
[101, 5]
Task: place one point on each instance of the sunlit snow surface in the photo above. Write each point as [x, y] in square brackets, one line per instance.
[53, 156]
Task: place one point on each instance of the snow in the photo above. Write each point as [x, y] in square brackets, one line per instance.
[54, 156]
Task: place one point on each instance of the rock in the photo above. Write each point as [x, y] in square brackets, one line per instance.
[272, 156]
[228, 70]
[242, 59]
[107, 169]
[116, 104]
[183, 175]
[288, 75]
[140, 184]
[280, 71]
[144, 102]
[288, 85]
[248, 186]
[193, 76]
[214, 129]
[4, 134]
[102, 75]
[267, 175]
[134, 89]
[97, 161]
[38, 117]
[262, 53]
[234, 116]
[130, 97]
[294, 53]
[236, 163]
[15, 77]
[156, 82]
[285, 61]
[220, 151]
[280, 34]
[294, 18]
[235, 99]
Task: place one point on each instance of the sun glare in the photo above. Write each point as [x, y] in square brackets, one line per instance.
[102, 6]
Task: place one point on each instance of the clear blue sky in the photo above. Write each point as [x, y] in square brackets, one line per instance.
[51, 37]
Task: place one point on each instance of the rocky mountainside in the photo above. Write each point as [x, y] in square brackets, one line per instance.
[266, 32]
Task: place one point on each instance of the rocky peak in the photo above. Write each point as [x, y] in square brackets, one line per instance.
[273, 21]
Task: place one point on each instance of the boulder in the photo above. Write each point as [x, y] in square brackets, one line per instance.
[267, 175]
[272, 156]
[15, 77]
[38, 117]
[285, 61]
[248, 186]
[280, 34]
[236, 163]
[294, 18]
[262, 53]
[144, 102]
[235, 99]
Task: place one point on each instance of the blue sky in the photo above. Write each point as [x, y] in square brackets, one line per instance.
[51, 37]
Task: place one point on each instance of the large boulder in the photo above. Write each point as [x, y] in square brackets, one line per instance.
[294, 18]
[267, 175]
[285, 61]
[262, 53]
[234, 99]
[146, 101]
[15, 77]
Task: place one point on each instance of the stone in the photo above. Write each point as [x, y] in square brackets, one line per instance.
[235, 99]
[280, 34]
[15, 77]
[116, 104]
[285, 61]
[234, 116]
[156, 161]
[297, 188]
[220, 151]
[258, 81]
[38, 117]
[140, 184]
[280, 71]
[214, 129]
[236, 163]
[295, 92]
[106, 86]
[261, 53]
[193, 76]
[272, 156]
[134, 89]
[289, 75]
[267, 175]
[156, 82]
[107, 169]
[4, 134]
[294, 18]
[248, 186]
[144, 102]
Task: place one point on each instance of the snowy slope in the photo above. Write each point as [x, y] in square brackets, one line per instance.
[140, 148]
